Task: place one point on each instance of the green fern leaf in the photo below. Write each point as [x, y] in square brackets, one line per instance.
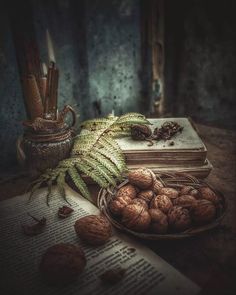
[98, 178]
[79, 183]
[61, 185]
[107, 163]
[102, 170]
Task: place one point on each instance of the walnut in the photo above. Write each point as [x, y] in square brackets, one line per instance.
[136, 217]
[209, 195]
[179, 218]
[127, 190]
[159, 222]
[140, 201]
[146, 195]
[185, 201]
[157, 184]
[117, 205]
[169, 192]
[161, 202]
[93, 229]
[203, 212]
[62, 263]
[189, 190]
[142, 178]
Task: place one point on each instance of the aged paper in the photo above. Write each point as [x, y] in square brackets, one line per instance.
[146, 273]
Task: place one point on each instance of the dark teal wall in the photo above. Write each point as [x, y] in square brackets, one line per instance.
[98, 51]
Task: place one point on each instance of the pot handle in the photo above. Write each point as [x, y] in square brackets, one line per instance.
[21, 157]
[65, 111]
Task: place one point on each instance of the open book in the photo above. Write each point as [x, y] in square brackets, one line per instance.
[146, 273]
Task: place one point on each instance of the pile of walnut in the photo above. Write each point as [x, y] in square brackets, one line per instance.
[145, 205]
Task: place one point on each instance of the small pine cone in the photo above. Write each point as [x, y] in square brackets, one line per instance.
[142, 178]
[135, 217]
[141, 202]
[209, 195]
[161, 202]
[185, 201]
[189, 190]
[127, 190]
[157, 185]
[159, 222]
[179, 218]
[169, 192]
[93, 229]
[146, 195]
[118, 204]
[203, 212]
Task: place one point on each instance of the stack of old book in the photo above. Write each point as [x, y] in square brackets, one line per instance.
[184, 152]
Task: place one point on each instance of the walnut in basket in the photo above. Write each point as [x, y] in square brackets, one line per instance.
[179, 218]
[142, 178]
[118, 204]
[127, 190]
[203, 212]
[185, 201]
[209, 195]
[136, 217]
[159, 222]
[140, 201]
[169, 192]
[161, 202]
[146, 195]
[190, 190]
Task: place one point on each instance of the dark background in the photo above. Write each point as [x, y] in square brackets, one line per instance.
[98, 52]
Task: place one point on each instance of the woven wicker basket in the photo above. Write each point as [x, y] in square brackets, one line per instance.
[174, 180]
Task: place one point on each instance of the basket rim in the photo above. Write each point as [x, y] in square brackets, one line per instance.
[193, 231]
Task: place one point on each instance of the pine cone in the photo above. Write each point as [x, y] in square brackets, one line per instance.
[140, 132]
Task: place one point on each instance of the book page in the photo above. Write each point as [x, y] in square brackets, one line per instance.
[20, 255]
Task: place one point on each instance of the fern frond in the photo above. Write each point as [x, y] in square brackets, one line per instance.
[117, 160]
[49, 194]
[61, 185]
[107, 163]
[132, 118]
[93, 173]
[79, 183]
[96, 124]
[103, 171]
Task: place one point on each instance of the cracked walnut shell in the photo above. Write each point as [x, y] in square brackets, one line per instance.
[136, 217]
[179, 218]
[159, 222]
[62, 264]
[161, 202]
[142, 178]
[93, 229]
[169, 192]
[203, 212]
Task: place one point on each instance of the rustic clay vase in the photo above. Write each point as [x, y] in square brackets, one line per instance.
[46, 142]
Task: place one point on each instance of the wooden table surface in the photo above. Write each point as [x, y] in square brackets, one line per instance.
[208, 259]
